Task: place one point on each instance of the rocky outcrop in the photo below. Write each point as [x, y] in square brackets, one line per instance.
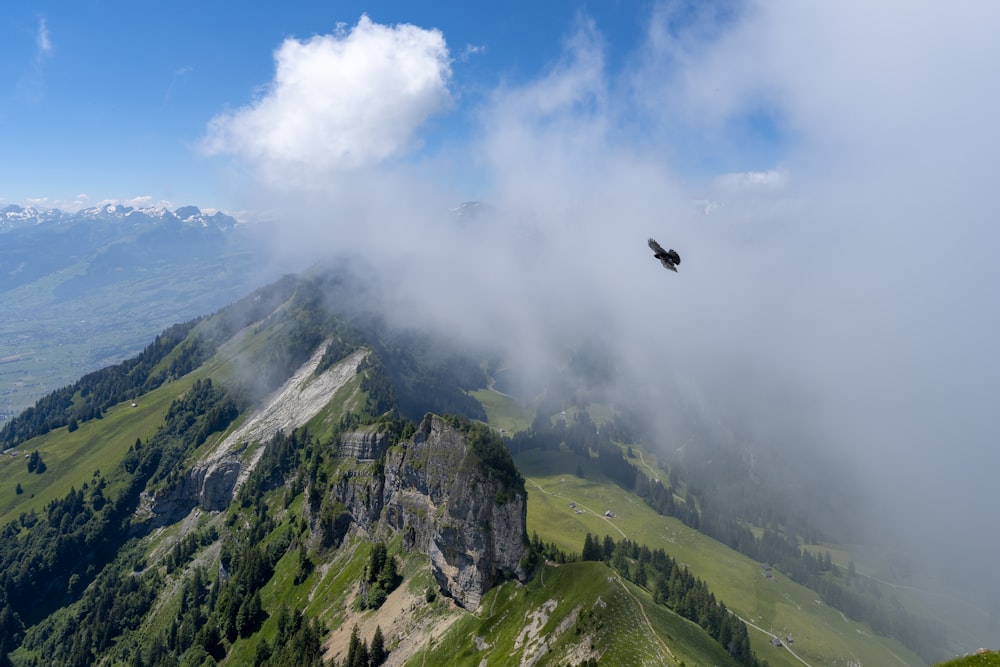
[436, 492]
[432, 489]
[363, 445]
[211, 483]
[209, 488]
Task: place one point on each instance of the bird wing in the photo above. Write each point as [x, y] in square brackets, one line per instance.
[656, 248]
[674, 257]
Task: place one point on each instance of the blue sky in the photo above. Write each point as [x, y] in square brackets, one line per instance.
[113, 99]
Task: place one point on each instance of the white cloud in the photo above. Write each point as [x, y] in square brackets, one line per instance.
[472, 50]
[342, 101]
[70, 205]
[31, 85]
[754, 180]
[42, 39]
[886, 116]
[140, 201]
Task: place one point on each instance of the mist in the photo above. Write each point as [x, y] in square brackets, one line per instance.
[837, 289]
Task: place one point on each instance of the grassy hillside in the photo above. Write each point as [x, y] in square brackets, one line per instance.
[965, 607]
[72, 458]
[184, 588]
[567, 614]
[774, 607]
[988, 659]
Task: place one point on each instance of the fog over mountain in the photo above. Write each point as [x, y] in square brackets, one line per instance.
[839, 295]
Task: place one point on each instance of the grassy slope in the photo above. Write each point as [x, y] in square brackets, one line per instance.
[822, 635]
[961, 606]
[72, 458]
[504, 413]
[564, 611]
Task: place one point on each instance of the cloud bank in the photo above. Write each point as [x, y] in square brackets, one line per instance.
[837, 234]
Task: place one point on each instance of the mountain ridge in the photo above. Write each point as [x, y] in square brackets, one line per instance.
[14, 217]
[330, 483]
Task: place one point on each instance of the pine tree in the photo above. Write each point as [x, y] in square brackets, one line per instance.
[377, 654]
[353, 648]
[640, 574]
[607, 548]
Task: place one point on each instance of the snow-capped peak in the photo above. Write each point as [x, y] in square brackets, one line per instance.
[16, 217]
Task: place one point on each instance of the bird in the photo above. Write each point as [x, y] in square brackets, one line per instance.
[668, 258]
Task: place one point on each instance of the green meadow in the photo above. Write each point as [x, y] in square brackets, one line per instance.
[71, 459]
[773, 607]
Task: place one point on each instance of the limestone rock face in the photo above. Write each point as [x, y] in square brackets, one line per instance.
[363, 445]
[213, 482]
[435, 491]
[209, 487]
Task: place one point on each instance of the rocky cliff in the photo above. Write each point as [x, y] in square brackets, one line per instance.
[437, 491]
[212, 482]
[364, 445]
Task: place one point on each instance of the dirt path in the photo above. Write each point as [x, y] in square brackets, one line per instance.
[645, 617]
[656, 475]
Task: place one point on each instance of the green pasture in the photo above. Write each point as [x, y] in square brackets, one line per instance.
[821, 635]
[72, 458]
[504, 412]
[563, 611]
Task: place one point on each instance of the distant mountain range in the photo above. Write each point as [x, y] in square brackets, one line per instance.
[20, 217]
[38, 242]
[81, 290]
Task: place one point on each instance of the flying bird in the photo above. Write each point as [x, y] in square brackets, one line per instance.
[668, 258]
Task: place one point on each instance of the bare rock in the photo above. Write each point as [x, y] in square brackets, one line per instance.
[364, 445]
[435, 491]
